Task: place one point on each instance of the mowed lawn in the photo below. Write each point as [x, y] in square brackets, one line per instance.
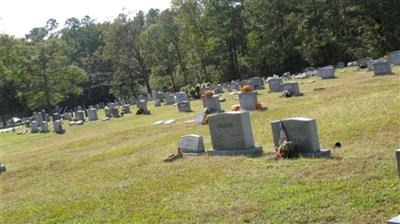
[113, 171]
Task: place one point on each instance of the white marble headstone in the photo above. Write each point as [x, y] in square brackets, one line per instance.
[192, 144]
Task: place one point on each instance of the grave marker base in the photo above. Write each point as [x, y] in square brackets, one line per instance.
[233, 152]
[320, 154]
[395, 220]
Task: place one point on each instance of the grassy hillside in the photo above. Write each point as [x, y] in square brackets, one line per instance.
[112, 172]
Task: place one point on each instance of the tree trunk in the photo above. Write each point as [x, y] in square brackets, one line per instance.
[3, 119]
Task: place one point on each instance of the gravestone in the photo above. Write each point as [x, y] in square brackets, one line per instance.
[257, 82]
[218, 89]
[352, 64]
[57, 125]
[292, 87]
[2, 168]
[38, 117]
[126, 108]
[395, 57]
[326, 73]
[34, 126]
[231, 134]
[169, 99]
[362, 62]
[303, 133]
[212, 103]
[181, 96]
[382, 68]
[192, 144]
[92, 114]
[184, 106]
[79, 115]
[205, 89]
[398, 159]
[56, 116]
[154, 94]
[107, 112]
[340, 65]
[160, 96]
[44, 127]
[142, 105]
[248, 101]
[199, 119]
[157, 103]
[115, 112]
[247, 83]
[395, 220]
[275, 85]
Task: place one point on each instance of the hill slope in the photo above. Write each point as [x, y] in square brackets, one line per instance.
[112, 172]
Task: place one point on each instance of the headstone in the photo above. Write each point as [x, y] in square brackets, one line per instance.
[231, 133]
[126, 108]
[248, 101]
[275, 85]
[184, 106]
[247, 83]
[382, 68]
[200, 118]
[142, 105]
[303, 133]
[44, 127]
[160, 96]
[107, 112]
[57, 125]
[79, 115]
[362, 62]
[292, 87]
[157, 103]
[257, 82]
[192, 144]
[181, 96]
[395, 220]
[115, 112]
[38, 117]
[2, 168]
[326, 73]
[395, 57]
[56, 116]
[169, 99]
[205, 89]
[218, 89]
[212, 103]
[398, 159]
[92, 114]
[34, 126]
[154, 94]
[340, 65]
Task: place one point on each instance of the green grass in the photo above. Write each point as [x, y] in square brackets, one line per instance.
[112, 172]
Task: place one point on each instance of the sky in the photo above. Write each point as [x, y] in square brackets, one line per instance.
[18, 17]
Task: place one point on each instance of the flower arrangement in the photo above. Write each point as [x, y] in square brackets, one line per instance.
[235, 107]
[208, 94]
[285, 150]
[259, 106]
[286, 93]
[246, 89]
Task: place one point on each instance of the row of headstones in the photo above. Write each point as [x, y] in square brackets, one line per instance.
[231, 133]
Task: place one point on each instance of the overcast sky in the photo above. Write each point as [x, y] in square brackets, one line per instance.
[18, 17]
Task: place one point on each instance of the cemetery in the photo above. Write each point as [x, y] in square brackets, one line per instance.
[194, 111]
[233, 145]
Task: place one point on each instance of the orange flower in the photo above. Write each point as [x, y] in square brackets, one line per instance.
[205, 121]
[208, 93]
[246, 89]
[258, 106]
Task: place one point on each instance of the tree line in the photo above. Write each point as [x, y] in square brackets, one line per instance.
[84, 62]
